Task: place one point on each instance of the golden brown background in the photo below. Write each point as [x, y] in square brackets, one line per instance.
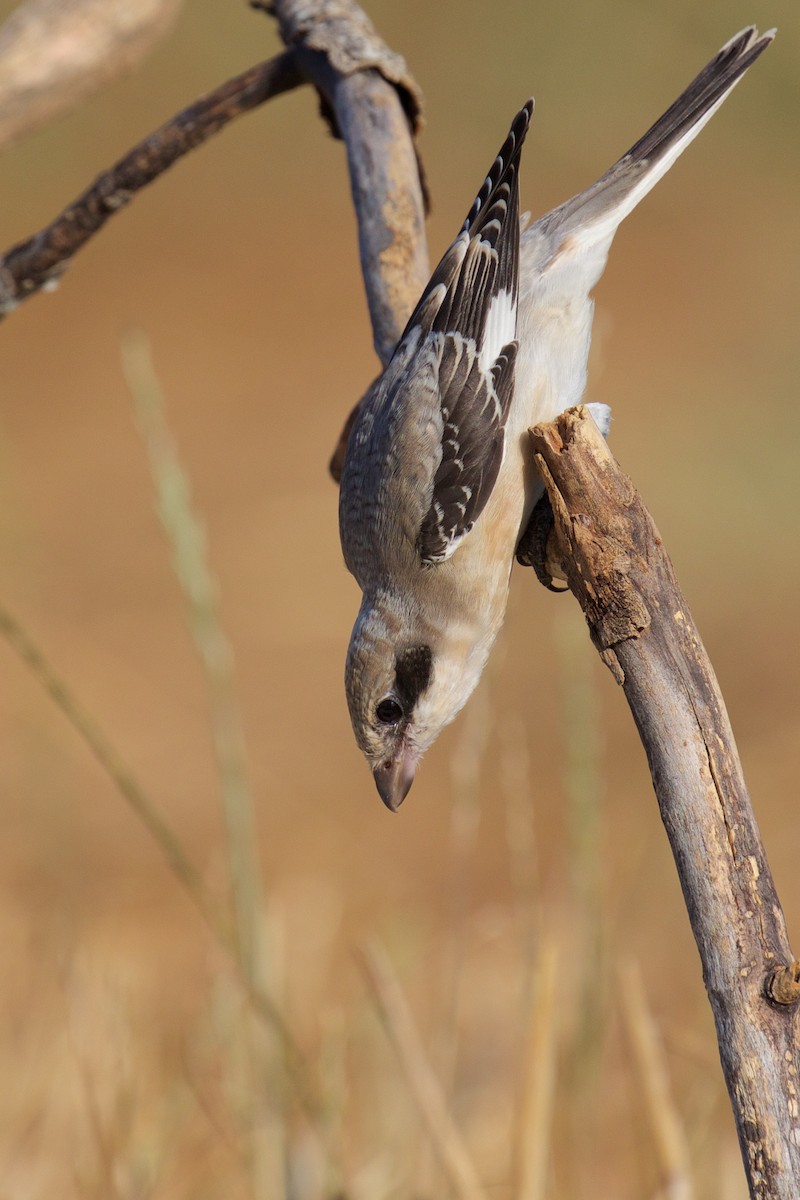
[241, 266]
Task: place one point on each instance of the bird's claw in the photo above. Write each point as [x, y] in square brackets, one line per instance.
[532, 547]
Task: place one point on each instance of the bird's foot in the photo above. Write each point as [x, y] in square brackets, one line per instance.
[532, 546]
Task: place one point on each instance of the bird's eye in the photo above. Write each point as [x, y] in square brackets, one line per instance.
[389, 711]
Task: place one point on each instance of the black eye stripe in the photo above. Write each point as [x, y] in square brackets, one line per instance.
[412, 674]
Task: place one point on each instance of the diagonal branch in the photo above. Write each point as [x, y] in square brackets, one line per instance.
[369, 100]
[639, 621]
[39, 261]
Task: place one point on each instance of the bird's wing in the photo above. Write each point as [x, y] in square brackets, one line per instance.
[474, 404]
[466, 319]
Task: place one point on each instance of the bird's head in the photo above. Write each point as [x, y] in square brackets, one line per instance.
[400, 697]
[385, 687]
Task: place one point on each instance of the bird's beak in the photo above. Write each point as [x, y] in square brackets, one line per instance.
[394, 777]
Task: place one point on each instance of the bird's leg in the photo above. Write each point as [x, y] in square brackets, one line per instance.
[532, 549]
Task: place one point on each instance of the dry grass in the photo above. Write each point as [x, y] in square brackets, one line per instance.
[240, 1109]
[529, 860]
[224, 1113]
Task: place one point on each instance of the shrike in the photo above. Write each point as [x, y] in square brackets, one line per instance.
[437, 486]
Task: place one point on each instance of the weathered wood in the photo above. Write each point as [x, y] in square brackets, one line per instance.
[368, 98]
[344, 35]
[40, 260]
[374, 105]
[616, 565]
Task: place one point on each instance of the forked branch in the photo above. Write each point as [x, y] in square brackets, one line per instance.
[368, 98]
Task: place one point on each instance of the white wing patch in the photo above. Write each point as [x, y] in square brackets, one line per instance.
[474, 407]
[499, 330]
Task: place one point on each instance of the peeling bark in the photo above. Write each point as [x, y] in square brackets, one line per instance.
[615, 563]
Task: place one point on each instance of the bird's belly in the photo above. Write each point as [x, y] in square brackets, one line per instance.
[550, 377]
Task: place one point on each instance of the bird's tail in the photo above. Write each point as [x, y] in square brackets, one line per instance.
[591, 218]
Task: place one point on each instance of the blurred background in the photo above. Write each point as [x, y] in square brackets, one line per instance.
[532, 835]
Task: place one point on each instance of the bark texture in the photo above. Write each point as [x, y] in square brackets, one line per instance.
[616, 565]
[604, 538]
[40, 261]
[369, 100]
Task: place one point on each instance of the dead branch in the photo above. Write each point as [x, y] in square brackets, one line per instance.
[604, 538]
[55, 53]
[369, 100]
[638, 619]
[39, 261]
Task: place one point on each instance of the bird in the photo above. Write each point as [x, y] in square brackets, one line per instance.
[437, 486]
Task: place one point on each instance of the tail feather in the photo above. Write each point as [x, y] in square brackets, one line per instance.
[712, 85]
[591, 218]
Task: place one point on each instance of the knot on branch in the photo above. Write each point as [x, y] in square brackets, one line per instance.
[782, 985]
